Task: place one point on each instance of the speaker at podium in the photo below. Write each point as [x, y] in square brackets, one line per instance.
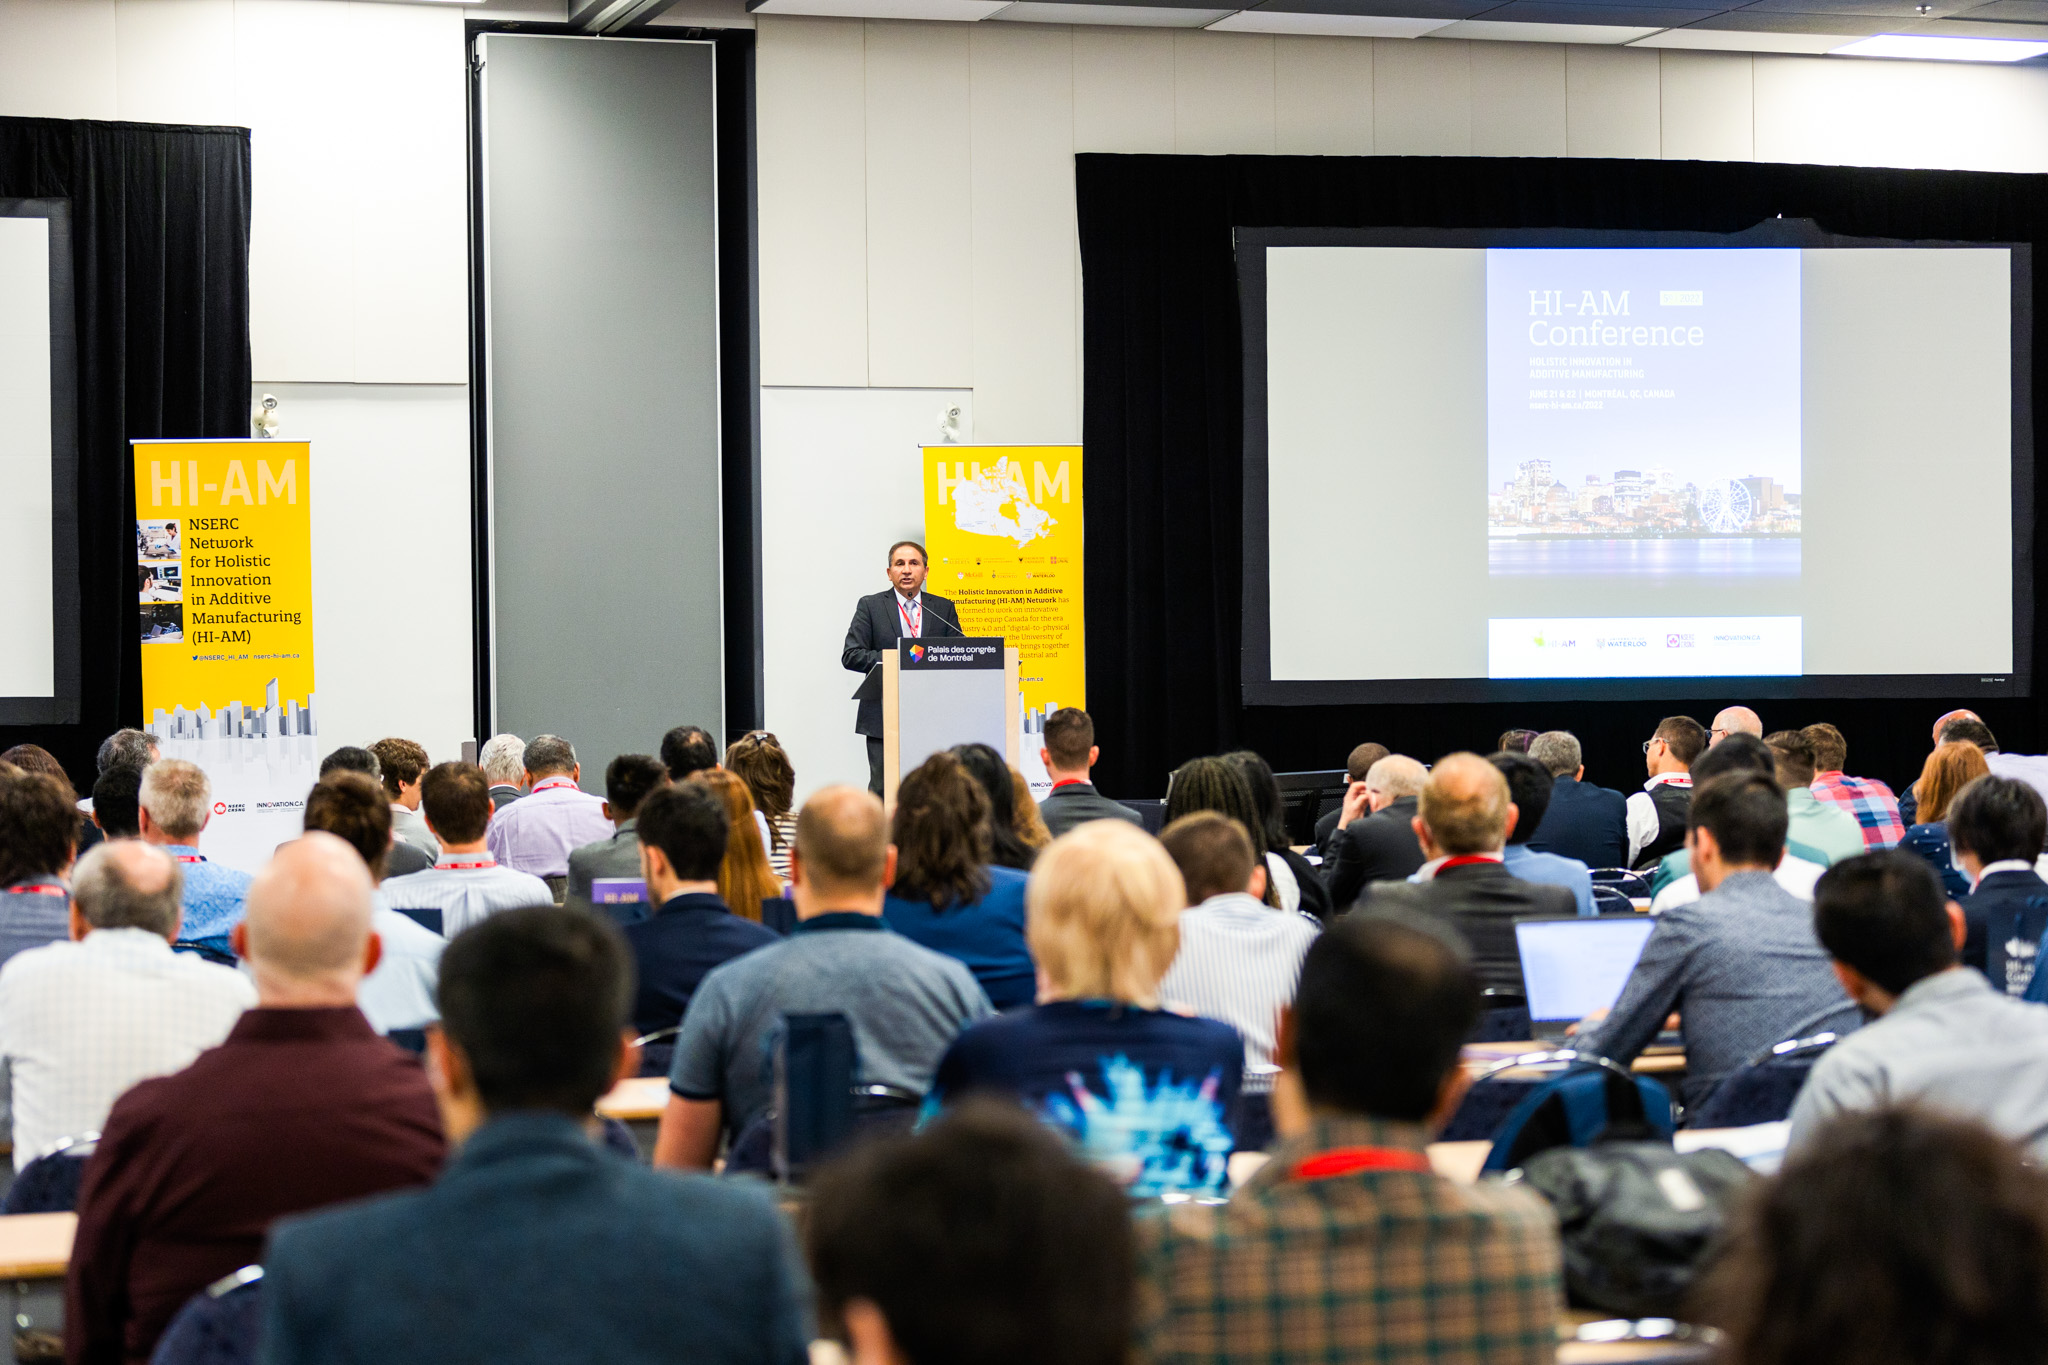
[939, 691]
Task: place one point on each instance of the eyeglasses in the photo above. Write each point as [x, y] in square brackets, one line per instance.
[1717, 730]
[1648, 742]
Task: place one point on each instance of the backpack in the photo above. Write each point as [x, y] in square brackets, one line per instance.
[1586, 1102]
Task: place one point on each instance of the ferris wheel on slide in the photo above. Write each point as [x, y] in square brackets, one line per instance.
[1726, 507]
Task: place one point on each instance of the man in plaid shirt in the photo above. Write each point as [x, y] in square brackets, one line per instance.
[1869, 800]
[1345, 1245]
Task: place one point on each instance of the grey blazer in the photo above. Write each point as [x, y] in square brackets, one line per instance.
[877, 627]
[618, 856]
[1077, 803]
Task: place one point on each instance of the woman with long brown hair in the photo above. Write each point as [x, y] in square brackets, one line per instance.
[763, 764]
[1950, 768]
[744, 878]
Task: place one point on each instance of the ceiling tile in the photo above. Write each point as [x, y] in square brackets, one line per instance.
[1401, 9]
[1639, 15]
[1762, 21]
[1879, 9]
[1129, 16]
[1725, 40]
[1327, 25]
[1502, 31]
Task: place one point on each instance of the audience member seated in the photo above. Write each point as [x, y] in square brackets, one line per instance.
[1740, 965]
[398, 993]
[402, 764]
[682, 842]
[1734, 720]
[688, 749]
[627, 781]
[1828, 828]
[1969, 729]
[1215, 783]
[402, 859]
[946, 895]
[744, 878]
[1996, 827]
[82, 1020]
[1029, 824]
[34, 758]
[116, 802]
[1375, 839]
[1585, 822]
[1356, 767]
[987, 768]
[1299, 885]
[1069, 752]
[1674, 883]
[1463, 823]
[1941, 1035]
[1950, 768]
[38, 843]
[1869, 800]
[1529, 787]
[1656, 814]
[1515, 741]
[537, 1246]
[905, 1002]
[466, 883]
[2031, 769]
[1239, 959]
[303, 1106]
[1147, 1094]
[503, 759]
[127, 748]
[758, 759]
[537, 833]
[176, 803]
[1041, 1270]
[1345, 1245]
[1896, 1237]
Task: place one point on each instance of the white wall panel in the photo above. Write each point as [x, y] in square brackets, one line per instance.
[1707, 106]
[1123, 89]
[1322, 96]
[1916, 114]
[175, 61]
[810, 93]
[1518, 99]
[1613, 106]
[1421, 97]
[1222, 93]
[920, 216]
[57, 59]
[839, 481]
[1026, 256]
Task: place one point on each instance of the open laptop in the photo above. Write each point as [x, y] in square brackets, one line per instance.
[1573, 965]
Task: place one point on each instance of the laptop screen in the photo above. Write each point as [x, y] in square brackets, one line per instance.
[1571, 967]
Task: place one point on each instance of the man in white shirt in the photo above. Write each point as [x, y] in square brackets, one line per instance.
[1239, 959]
[466, 883]
[401, 764]
[1656, 814]
[1943, 1036]
[83, 1020]
[536, 833]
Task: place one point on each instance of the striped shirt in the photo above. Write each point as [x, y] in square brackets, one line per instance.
[1239, 963]
[466, 888]
[81, 1022]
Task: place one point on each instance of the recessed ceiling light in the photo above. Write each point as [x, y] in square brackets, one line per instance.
[1326, 25]
[964, 10]
[1933, 48]
[1514, 31]
[1128, 16]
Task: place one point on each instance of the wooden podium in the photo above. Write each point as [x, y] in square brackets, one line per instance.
[941, 691]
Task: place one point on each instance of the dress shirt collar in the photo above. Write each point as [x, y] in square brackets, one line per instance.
[2002, 865]
[1800, 797]
[700, 901]
[916, 599]
[188, 851]
[1668, 780]
[328, 1024]
[464, 862]
[1328, 1132]
[1427, 872]
[1235, 903]
[1944, 987]
[838, 919]
[1081, 784]
[555, 782]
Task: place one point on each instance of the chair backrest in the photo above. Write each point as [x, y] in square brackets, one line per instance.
[1629, 882]
[1503, 1017]
[1762, 1089]
[220, 1325]
[817, 1065]
[413, 1040]
[426, 918]
[49, 1183]
[1588, 1099]
[657, 1050]
[1611, 900]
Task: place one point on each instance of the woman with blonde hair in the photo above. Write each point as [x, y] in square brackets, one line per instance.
[744, 878]
[1149, 1095]
[1950, 768]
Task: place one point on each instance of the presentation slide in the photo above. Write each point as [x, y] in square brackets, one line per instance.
[27, 603]
[1552, 463]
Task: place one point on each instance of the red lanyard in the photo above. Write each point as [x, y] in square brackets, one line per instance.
[552, 783]
[40, 889]
[1070, 782]
[190, 857]
[446, 866]
[1351, 1160]
[1464, 860]
[909, 624]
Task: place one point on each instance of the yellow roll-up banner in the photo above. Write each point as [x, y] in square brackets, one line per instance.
[224, 570]
[1003, 526]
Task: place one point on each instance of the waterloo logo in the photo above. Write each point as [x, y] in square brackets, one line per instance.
[917, 654]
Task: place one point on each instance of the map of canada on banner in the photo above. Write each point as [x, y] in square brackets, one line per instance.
[995, 502]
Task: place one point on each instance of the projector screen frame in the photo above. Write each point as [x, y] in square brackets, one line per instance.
[1260, 688]
[61, 707]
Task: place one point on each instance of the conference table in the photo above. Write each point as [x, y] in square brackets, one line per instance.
[35, 1249]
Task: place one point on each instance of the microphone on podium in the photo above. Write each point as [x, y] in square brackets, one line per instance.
[954, 624]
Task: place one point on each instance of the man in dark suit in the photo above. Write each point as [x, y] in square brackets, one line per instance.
[1465, 816]
[1355, 769]
[1584, 821]
[1995, 830]
[1070, 751]
[1375, 839]
[879, 620]
[536, 1243]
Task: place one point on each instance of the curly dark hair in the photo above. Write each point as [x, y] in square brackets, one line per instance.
[1218, 784]
[941, 833]
[1270, 834]
[989, 769]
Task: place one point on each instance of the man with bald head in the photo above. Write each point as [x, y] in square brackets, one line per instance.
[1734, 720]
[1462, 822]
[906, 1003]
[302, 1106]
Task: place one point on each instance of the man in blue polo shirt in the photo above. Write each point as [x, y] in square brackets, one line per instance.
[906, 1003]
[175, 804]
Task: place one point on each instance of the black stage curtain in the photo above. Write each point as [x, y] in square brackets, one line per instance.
[1163, 428]
[160, 247]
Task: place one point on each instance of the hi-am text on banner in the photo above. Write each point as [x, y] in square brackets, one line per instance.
[1003, 527]
[224, 569]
